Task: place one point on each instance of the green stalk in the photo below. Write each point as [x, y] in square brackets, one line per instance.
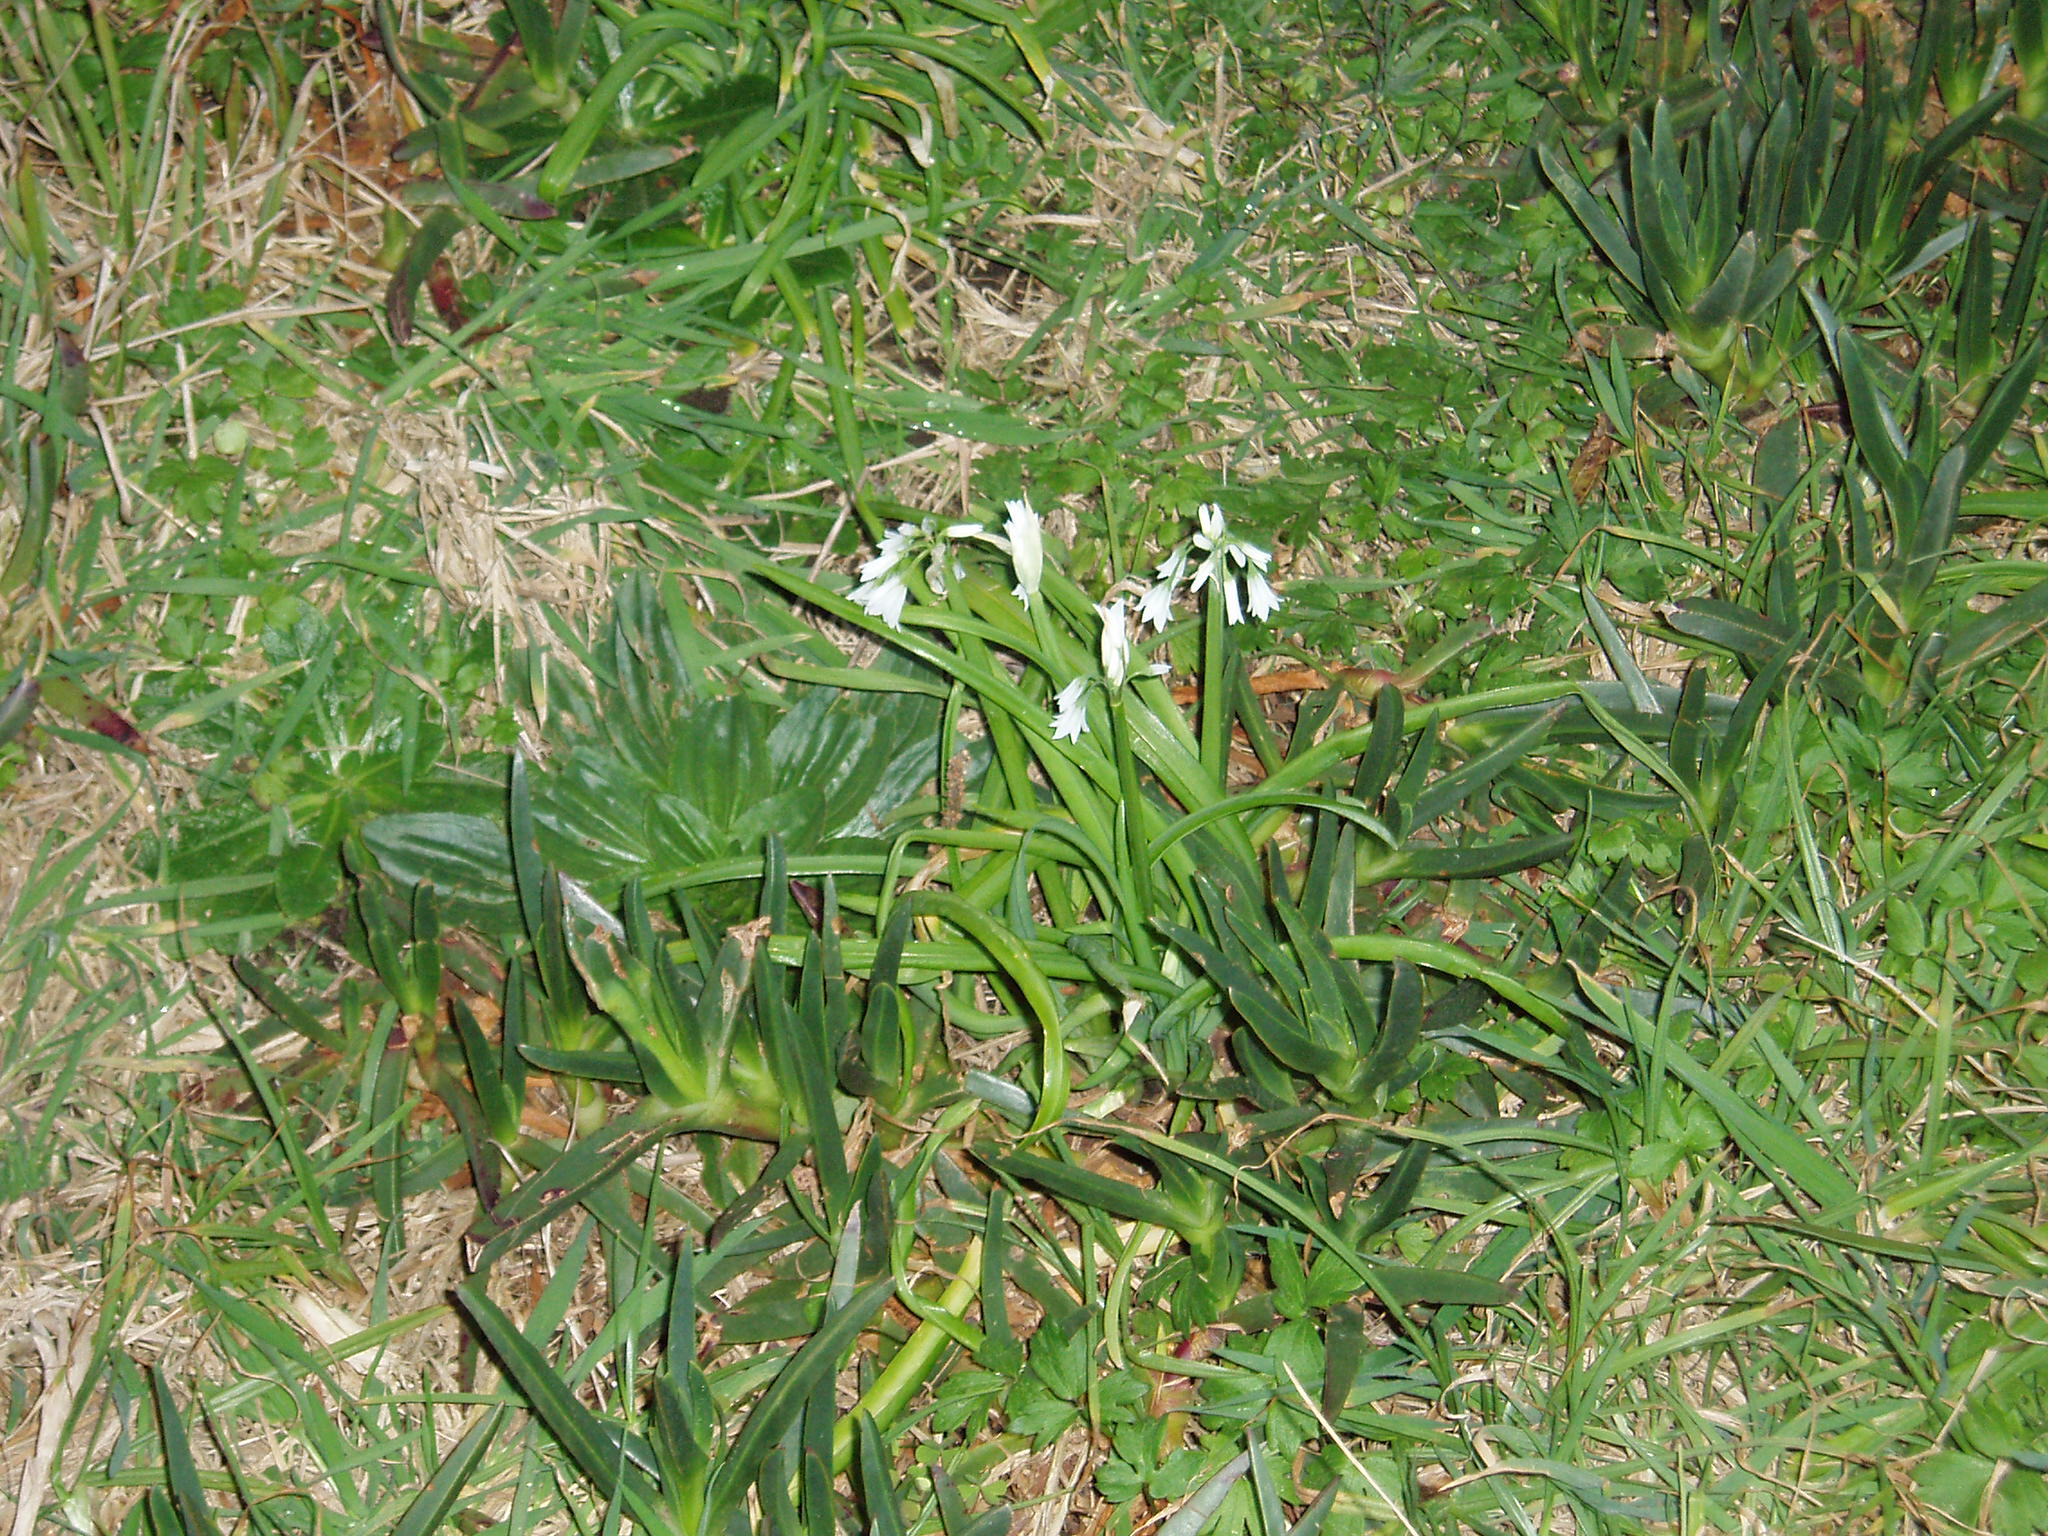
[1215, 697]
[1131, 823]
[1002, 732]
[81, 121]
[905, 1376]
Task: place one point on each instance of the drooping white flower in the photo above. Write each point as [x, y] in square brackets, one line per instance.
[942, 565]
[1070, 713]
[1116, 643]
[889, 553]
[1263, 599]
[883, 597]
[1155, 605]
[1226, 562]
[1026, 537]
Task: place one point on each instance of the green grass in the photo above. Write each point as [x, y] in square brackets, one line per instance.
[586, 1015]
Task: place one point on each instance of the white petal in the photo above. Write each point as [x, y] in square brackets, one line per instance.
[1263, 599]
[1027, 548]
[1213, 533]
[1155, 606]
[883, 599]
[1116, 643]
[1232, 613]
[1174, 568]
[1070, 713]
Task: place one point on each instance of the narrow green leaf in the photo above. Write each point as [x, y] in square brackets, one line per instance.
[1343, 1354]
[1879, 441]
[558, 176]
[1749, 635]
[1785, 1157]
[181, 1472]
[294, 1013]
[1276, 1028]
[1093, 1191]
[1466, 782]
[774, 1411]
[2001, 407]
[574, 1427]
[432, 1506]
[1397, 1285]
[877, 1487]
[1009, 952]
[1601, 226]
[436, 233]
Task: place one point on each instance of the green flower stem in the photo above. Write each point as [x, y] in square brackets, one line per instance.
[1002, 733]
[905, 1376]
[988, 879]
[1132, 819]
[1215, 696]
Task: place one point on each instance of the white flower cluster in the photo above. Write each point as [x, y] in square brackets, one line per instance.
[1213, 556]
[1225, 560]
[883, 589]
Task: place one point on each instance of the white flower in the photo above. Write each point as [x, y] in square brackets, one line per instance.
[1264, 600]
[1224, 552]
[883, 591]
[1116, 643]
[1026, 540]
[1070, 713]
[1155, 606]
[942, 565]
[895, 544]
[884, 598]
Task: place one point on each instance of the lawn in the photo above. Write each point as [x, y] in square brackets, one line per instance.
[950, 768]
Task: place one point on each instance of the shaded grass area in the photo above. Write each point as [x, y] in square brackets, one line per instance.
[1535, 1038]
